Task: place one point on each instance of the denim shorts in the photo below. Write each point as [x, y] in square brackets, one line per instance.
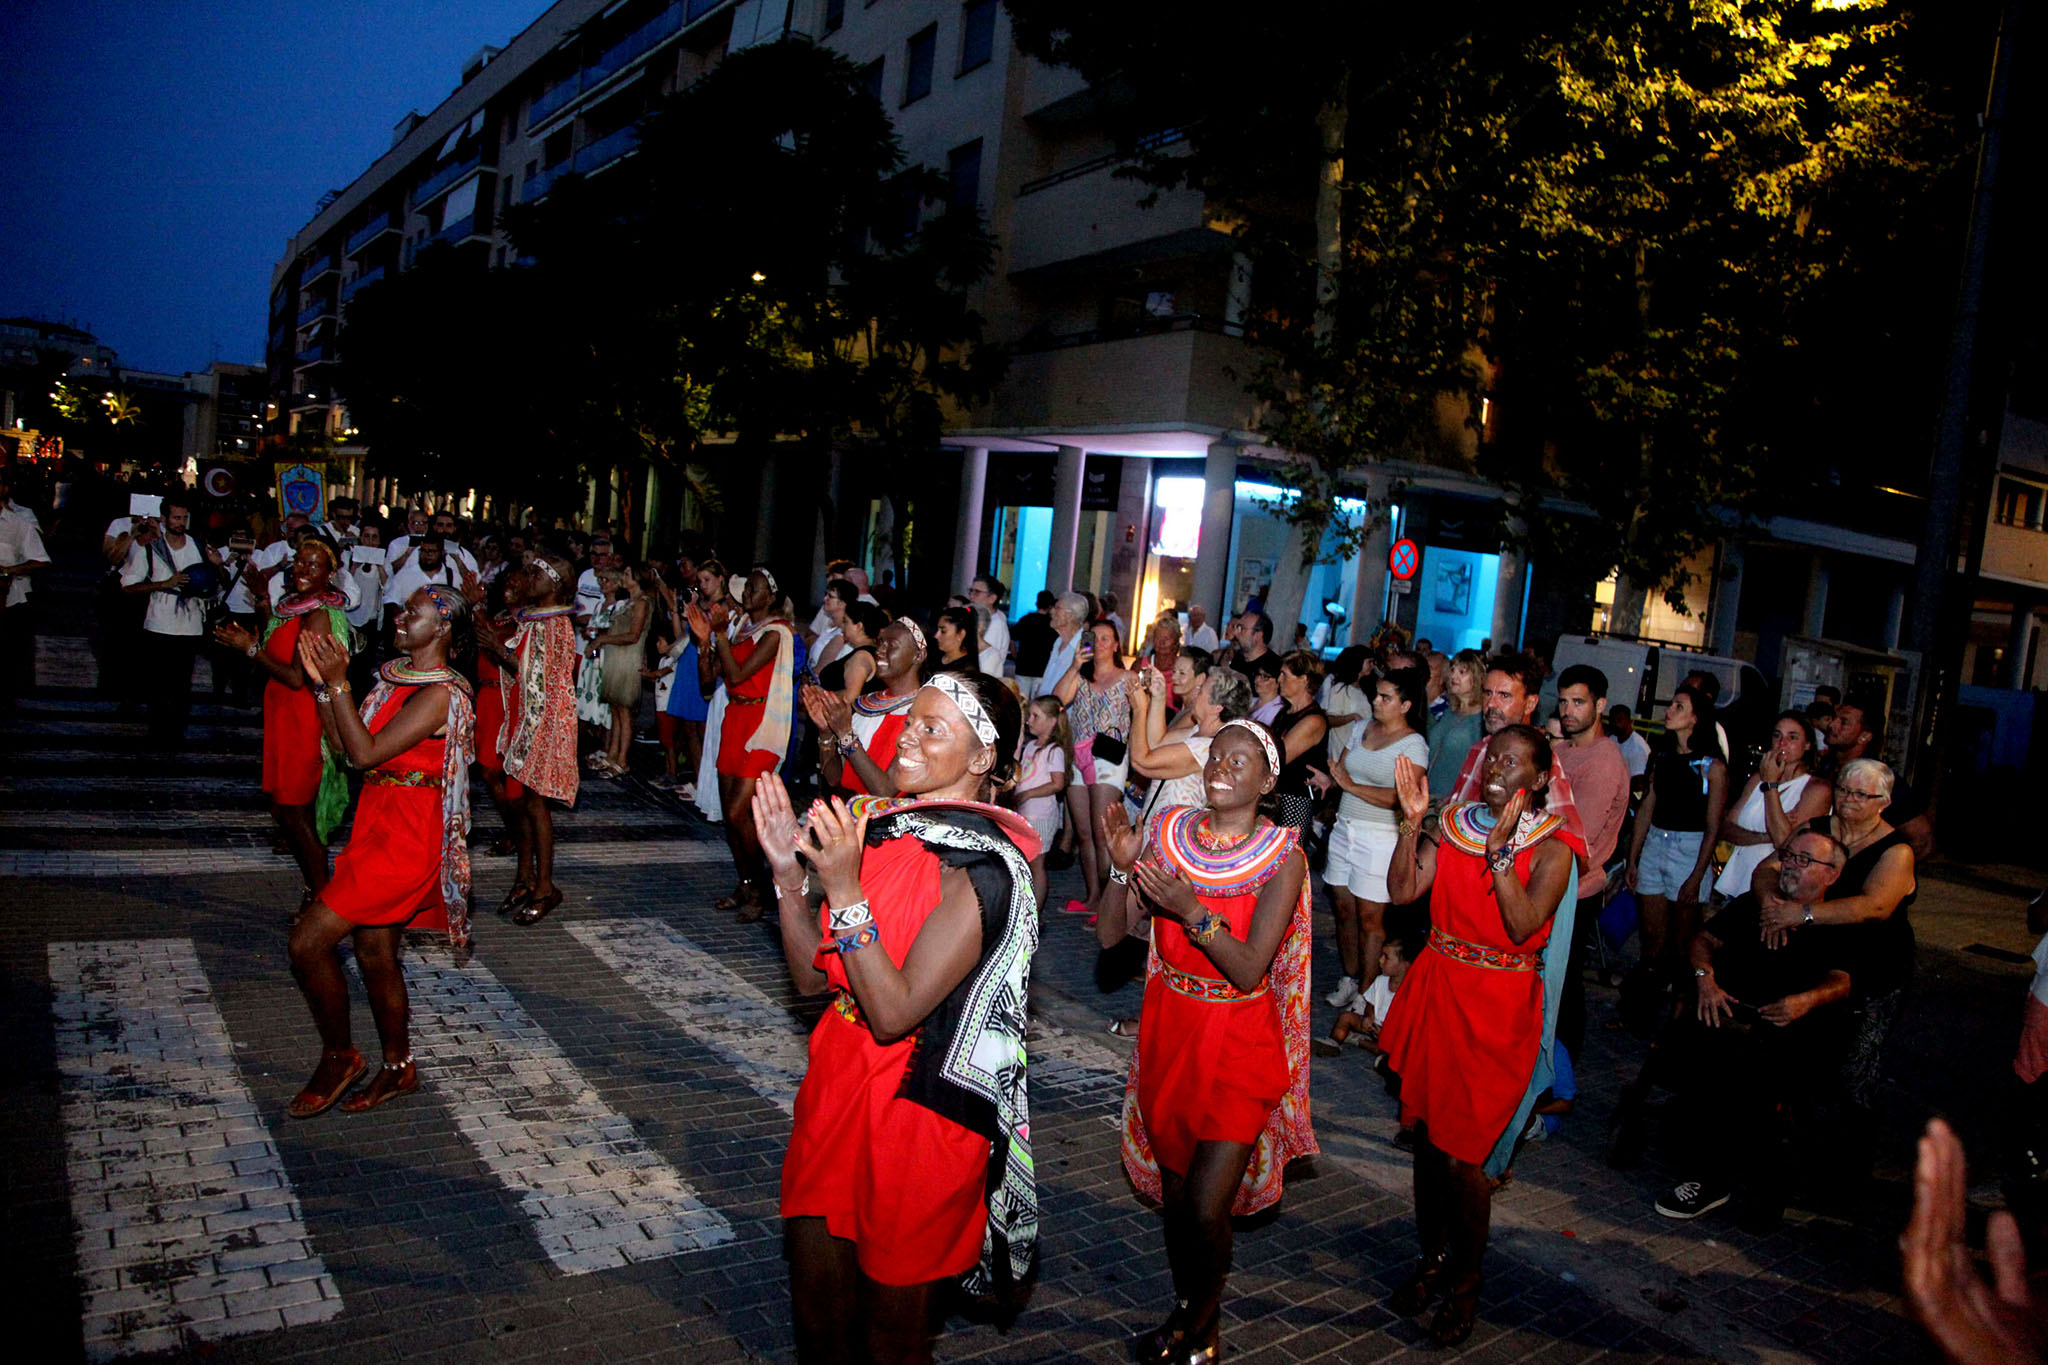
[1668, 859]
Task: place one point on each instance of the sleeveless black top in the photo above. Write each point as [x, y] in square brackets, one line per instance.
[832, 677]
[1888, 944]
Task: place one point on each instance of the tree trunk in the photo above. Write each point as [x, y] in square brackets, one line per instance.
[1630, 599]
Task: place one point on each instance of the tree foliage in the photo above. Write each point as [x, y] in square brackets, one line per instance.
[1666, 241]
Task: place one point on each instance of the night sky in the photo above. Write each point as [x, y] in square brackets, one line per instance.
[156, 154]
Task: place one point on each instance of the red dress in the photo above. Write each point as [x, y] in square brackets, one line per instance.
[1466, 1026]
[903, 1184]
[292, 759]
[881, 745]
[390, 873]
[746, 707]
[490, 714]
[1214, 1064]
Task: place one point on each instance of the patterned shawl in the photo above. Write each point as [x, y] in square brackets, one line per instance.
[1238, 871]
[545, 645]
[330, 803]
[457, 755]
[968, 1061]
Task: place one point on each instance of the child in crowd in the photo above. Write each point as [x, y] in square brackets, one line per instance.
[1360, 1023]
[1047, 758]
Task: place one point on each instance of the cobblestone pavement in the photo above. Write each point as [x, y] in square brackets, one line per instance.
[590, 1169]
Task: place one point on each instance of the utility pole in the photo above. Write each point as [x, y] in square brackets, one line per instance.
[1952, 543]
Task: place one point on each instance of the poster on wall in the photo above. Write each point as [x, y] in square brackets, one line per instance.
[1253, 576]
[302, 488]
[1454, 588]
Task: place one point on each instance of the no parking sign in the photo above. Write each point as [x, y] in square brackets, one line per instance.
[1404, 559]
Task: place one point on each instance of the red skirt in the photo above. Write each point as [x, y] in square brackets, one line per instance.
[490, 722]
[735, 759]
[390, 873]
[291, 729]
[1208, 1070]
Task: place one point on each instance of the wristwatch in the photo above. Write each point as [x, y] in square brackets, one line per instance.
[1809, 916]
[1700, 972]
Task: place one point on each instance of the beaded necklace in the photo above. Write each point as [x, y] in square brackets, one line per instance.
[882, 703]
[399, 673]
[300, 606]
[525, 614]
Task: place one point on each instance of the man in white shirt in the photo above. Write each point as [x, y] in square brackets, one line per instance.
[419, 526]
[1621, 727]
[21, 554]
[1069, 616]
[1200, 634]
[590, 596]
[341, 522]
[995, 636]
[174, 625]
[369, 577]
[431, 565]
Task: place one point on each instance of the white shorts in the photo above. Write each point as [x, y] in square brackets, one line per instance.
[1668, 859]
[1358, 856]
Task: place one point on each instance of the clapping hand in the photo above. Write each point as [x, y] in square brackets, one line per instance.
[699, 623]
[1168, 891]
[1123, 842]
[834, 845]
[775, 824]
[323, 658]
[232, 636]
[472, 586]
[1411, 790]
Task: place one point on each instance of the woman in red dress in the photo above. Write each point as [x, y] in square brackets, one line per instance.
[407, 861]
[1469, 1033]
[306, 788]
[910, 1161]
[1217, 1101]
[857, 743]
[537, 700]
[757, 668]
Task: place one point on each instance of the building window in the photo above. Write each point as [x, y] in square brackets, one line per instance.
[922, 49]
[835, 15]
[977, 34]
[871, 79]
[963, 177]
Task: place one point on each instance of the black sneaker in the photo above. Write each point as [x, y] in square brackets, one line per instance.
[1689, 1199]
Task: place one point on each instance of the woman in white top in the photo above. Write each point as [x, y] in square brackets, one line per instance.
[1362, 841]
[1781, 797]
[1347, 696]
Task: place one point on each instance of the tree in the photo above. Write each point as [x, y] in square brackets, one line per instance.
[1628, 225]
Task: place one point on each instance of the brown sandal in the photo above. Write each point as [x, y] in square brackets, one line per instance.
[1456, 1314]
[537, 909]
[376, 1092]
[310, 1103]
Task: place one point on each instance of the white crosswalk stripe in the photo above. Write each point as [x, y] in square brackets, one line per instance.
[186, 1220]
[597, 1195]
[711, 1003]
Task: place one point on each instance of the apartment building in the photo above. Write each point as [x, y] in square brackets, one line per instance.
[1121, 452]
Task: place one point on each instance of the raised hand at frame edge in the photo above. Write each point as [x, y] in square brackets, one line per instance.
[1973, 1322]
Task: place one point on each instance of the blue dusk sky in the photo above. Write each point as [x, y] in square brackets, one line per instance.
[157, 153]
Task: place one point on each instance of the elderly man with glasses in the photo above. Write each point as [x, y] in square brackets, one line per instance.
[1769, 1026]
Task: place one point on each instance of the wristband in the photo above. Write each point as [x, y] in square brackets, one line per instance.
[321, 692]
[847, 744]
[252, 650]
[1207, 927]
[852, 942]
[1118, 876]
[846, 919]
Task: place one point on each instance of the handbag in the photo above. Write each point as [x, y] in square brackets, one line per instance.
[1109, 749]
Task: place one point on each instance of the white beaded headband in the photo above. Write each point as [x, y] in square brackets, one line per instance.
[1258, 732]
[962, 696]
[769, 574]
[916, 633]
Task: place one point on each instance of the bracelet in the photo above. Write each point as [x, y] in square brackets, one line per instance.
[321, 692]
[1501, 861]
[802, 888]
[844, 919]
[1403, 827]
[853, 942]
[847, 744]
[1207, 927]
[252, 650]
[1118, 876]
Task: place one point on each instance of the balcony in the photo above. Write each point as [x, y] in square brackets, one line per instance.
[540, 182]
[2016, 554]
[310, 400]
[446, 178]
[553, 100]
[595, 156]
[1179, 372]
[461, 229]
[321, 353]
[638, 43]
[1089, 212]
[316, 310]
[361, 282]
[377, 227]
[321, 265]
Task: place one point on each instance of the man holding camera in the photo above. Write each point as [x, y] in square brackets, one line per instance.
[163, 564]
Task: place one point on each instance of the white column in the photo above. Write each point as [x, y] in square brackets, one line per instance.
[967, 545]
[1219, 512]
[1369, 575]
[1727, 598]
[2018, 644]
[1816, 616]
[1066, 518]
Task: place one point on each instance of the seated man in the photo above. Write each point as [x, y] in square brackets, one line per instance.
[1769, 1025]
